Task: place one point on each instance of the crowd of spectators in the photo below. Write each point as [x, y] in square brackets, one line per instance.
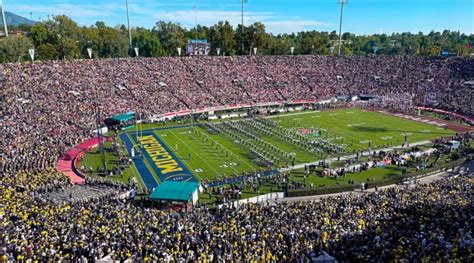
[431, 222]
[48, 107]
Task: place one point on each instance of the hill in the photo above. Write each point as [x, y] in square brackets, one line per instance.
[15, 20]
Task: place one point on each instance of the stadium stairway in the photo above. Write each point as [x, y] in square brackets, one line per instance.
[80, 193]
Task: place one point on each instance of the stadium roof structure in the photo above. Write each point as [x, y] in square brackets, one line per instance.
[118, 119]
[175, 191]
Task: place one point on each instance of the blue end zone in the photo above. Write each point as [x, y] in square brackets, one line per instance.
[183, 175]
[143, 170]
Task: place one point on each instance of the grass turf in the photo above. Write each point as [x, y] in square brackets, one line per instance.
[209, 161]
[93, 159]
[358, 127]
[211, 156]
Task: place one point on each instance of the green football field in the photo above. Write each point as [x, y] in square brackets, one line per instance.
[210, 155]
[358, 127]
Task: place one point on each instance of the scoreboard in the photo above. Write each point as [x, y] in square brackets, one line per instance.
[198, 47]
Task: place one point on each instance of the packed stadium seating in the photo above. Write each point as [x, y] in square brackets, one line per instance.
[51, 105]
[48, 107]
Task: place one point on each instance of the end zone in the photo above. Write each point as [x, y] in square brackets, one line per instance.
[159, 158]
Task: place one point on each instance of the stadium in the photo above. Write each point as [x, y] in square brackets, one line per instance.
[204, 156]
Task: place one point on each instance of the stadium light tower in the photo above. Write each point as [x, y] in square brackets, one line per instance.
[4, 19]
[242, 31]
[342, 3]
[128, 24]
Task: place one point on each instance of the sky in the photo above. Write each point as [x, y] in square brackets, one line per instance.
[360, 16]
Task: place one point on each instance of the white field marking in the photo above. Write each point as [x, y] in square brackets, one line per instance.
[337, 138]
[198, 170]
[333, 114]
[408, 133]
[425, 131]
[234, 154]
[179, 156]
[439, 128]
[317, 116]
[345, 157]
[356, 124]
[349, 112]
[418, 119]
[386, 137]
[227, 165]
[163, 135]
[291, 114]
[197, 154]
[365, 141]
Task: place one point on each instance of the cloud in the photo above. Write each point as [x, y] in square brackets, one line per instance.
[206, 17]
[272, 20]
[69, 9]
[290, 26]
[147, 13]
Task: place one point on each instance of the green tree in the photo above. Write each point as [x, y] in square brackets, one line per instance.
[89, 38]
[47, 51]
[171, 36]
[113, 43]
[14, 49]
[281, 45]
[222, 35]
[257, 37]
[63, 38]
[40, 34]
[198, 32]
[148, 43]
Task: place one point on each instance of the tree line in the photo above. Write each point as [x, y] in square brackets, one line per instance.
[62, 38]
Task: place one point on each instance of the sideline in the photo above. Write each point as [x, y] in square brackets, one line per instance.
[345, 157]
[291, 114]
[411, 183]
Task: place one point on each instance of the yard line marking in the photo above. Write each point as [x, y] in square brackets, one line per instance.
[238, 157]
[291, 114]
[243, 160]
[197, 154]
[356, 124]
[179, 156]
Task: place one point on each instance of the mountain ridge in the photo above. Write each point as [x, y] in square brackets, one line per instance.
[16, 20]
